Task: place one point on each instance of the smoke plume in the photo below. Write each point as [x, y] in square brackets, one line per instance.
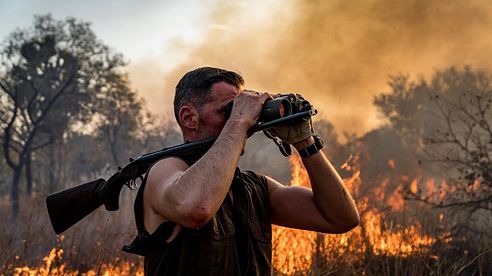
[338, 54]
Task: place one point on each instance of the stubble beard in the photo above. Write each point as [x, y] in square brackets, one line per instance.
[205, 133]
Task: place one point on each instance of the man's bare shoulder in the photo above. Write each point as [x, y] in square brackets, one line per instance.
[160, 177]
[166, 169]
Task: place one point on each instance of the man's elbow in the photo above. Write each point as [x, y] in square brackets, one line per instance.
[197, 217]
[352, 221]
[345, 224]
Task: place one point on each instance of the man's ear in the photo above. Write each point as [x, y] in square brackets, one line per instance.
[188, 116]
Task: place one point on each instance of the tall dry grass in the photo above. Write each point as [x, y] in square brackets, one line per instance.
[378, 247]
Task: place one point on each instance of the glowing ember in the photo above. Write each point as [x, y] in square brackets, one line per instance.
[396, 201]
[392, 164]
[413, 187]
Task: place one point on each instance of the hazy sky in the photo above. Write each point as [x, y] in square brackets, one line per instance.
[136, 28]
[339, 54]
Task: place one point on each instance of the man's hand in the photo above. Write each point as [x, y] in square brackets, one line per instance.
[295, 132]
[247, 107]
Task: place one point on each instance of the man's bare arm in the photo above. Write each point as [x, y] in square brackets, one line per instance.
[190, 196]
[328, 207]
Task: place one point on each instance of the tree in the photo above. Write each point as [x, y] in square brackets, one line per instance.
[119, 116]
[332, 147]
[48, 82]
[448, 121]
[156, 132]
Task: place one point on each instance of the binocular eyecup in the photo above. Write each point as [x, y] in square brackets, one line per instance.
[281, 106]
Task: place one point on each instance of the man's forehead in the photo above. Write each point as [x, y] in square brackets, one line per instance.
[223, 89]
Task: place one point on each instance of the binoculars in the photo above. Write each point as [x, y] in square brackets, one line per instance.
[280, 106]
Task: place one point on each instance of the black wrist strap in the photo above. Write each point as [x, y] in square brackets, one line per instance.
[284, 147]
[313, 148]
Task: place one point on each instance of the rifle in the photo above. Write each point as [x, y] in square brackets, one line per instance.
[67, 207]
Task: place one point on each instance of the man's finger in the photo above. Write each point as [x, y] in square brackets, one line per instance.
[264, 97]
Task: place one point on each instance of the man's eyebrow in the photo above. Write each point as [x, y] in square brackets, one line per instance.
[223, 107]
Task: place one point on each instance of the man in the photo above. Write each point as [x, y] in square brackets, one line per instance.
[203, 216]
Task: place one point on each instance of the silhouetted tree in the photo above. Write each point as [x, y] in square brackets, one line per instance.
[118, 116]
[448, 121]
[156, 132]
[49, 81]
[337, 153]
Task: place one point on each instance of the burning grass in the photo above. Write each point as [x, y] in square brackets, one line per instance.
[54, 265]
[379, 246]
[396, 237]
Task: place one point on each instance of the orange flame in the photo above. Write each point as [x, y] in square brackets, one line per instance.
[303, 252]
[294, 249]
[54, 266]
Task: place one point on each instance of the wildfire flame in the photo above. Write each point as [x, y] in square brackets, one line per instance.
[54, 265]
[305, 252]
[294, 249]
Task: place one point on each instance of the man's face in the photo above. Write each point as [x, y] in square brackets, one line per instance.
[212, 117]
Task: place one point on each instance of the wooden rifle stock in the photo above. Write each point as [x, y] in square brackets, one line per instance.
[67, 207]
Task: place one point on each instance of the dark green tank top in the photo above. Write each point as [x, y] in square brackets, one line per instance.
[236, 241]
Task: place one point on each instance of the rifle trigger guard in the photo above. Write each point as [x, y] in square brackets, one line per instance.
[133, 184]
